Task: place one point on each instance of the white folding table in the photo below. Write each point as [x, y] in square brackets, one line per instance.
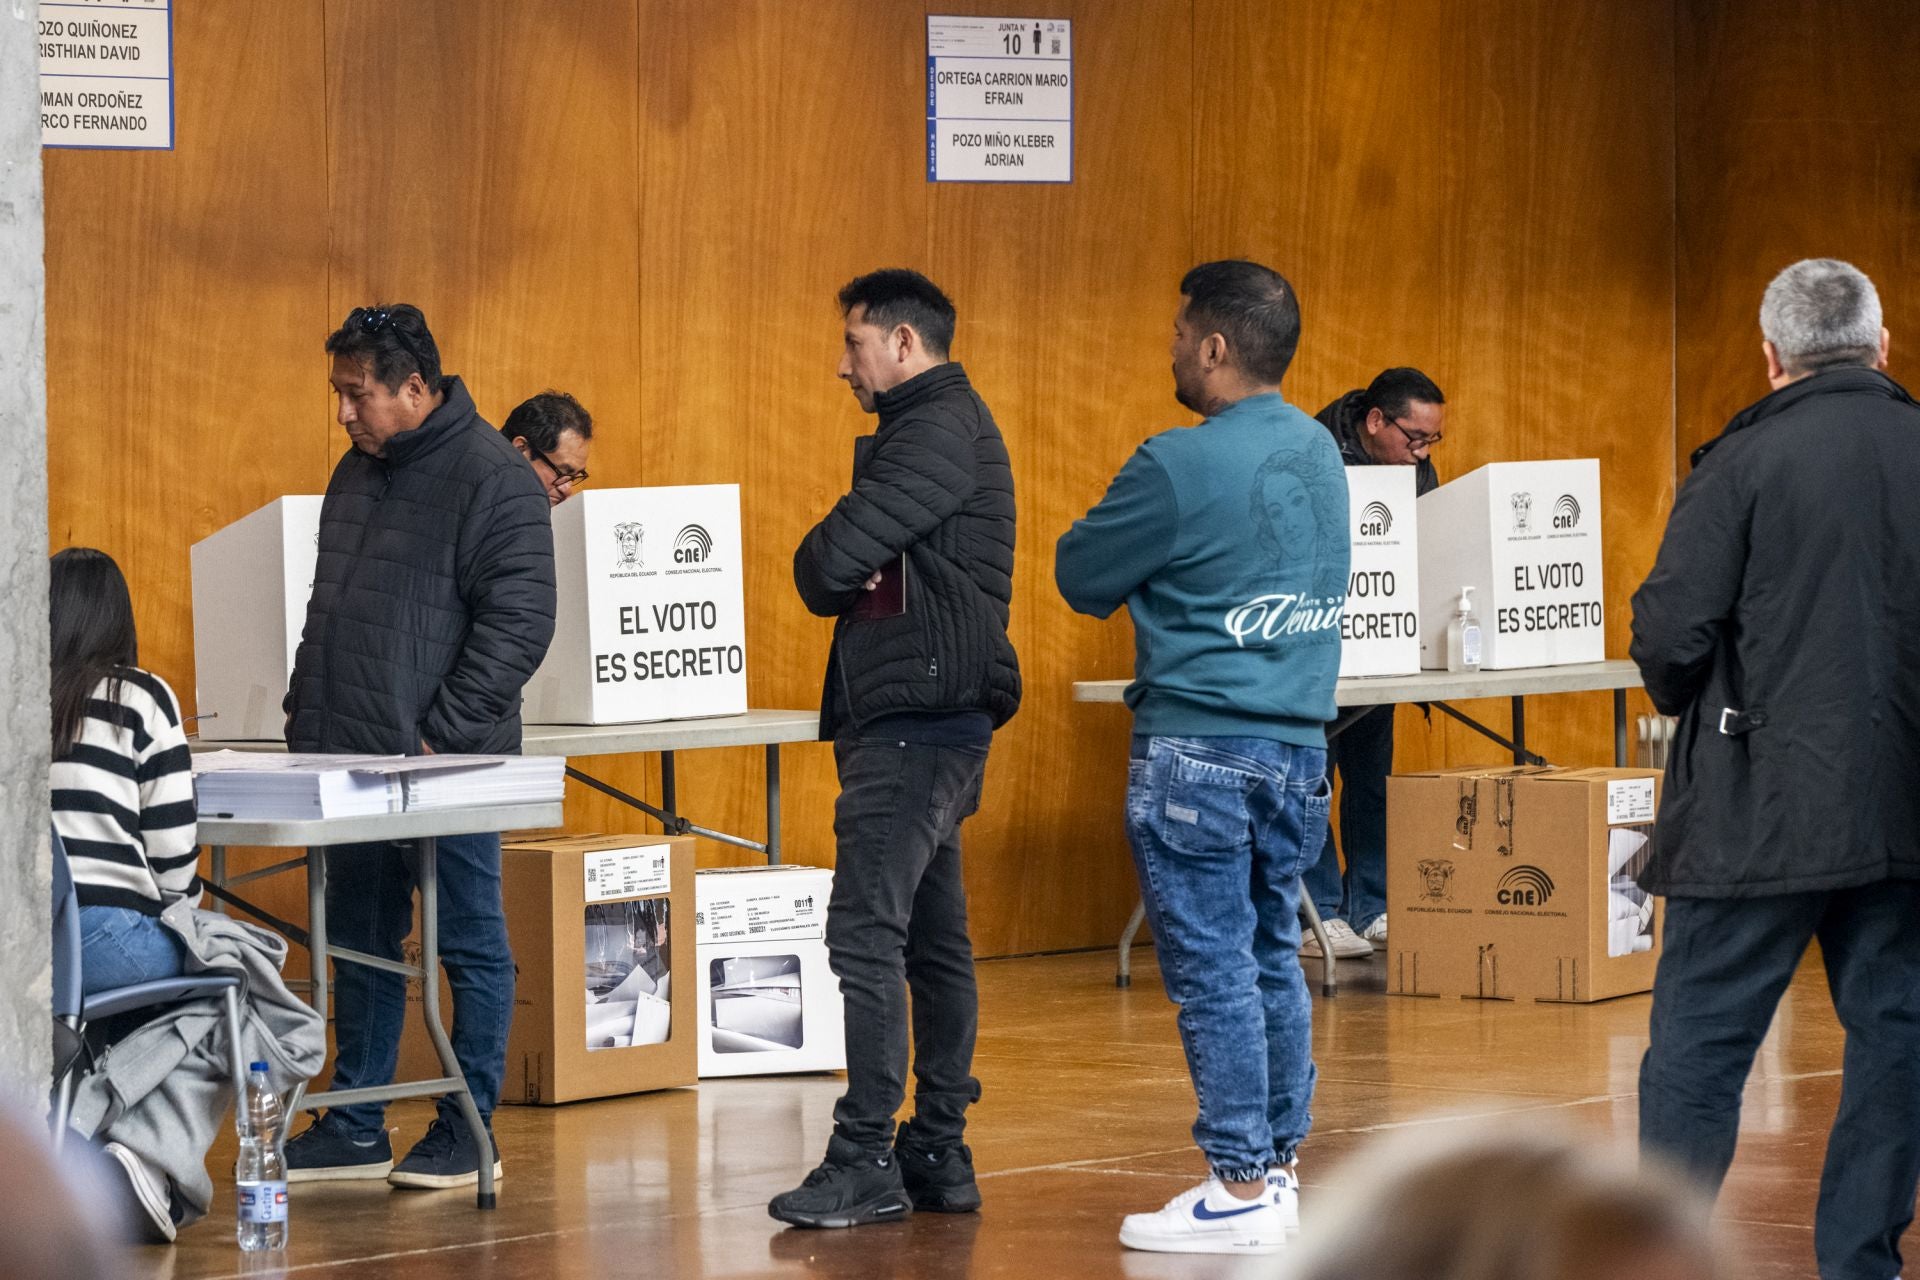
[1359, 696]
[423, 828]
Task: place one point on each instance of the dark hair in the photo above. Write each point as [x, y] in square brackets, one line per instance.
[91, 618]
[1253, 308]
[393, 341]
[1395, 390]
[544, 418]
[896, 296]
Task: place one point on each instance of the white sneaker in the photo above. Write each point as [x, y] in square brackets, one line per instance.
[1209, 1219]
[1347, 945]
[1376, 933]
[1283, 1184]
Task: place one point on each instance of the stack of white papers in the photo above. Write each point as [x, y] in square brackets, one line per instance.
[268, 786]
[454, 782]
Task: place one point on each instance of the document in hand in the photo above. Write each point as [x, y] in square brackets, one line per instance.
[271, 785]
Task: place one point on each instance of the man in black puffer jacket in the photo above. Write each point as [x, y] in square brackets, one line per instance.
[916, 562]
[433, 602]
[1781, 624]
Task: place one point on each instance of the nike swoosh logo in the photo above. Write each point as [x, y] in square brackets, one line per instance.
[1205, 1214]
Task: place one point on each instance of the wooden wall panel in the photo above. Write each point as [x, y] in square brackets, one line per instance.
[1465, 187]
[186, 296]
[651, 204]
[1067, 296]
[780, 147]
[1797, 138]
[484, 165]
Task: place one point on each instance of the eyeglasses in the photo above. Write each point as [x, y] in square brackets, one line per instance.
[571, 479]
[1414, 439]
[374, 319]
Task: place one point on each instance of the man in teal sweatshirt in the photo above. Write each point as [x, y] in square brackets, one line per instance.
[1227, 544]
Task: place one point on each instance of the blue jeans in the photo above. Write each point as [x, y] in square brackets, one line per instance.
[1724, 963]
[121, 947]
[1221, 830]
[370, 908]
[1363, 753]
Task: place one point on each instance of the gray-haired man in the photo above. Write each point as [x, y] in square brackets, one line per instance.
[1781, 623]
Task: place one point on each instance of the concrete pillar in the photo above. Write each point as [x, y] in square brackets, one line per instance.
[25, 967]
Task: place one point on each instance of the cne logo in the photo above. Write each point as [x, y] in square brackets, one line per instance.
[1524, 886]
[1375, 520]
[1522, 512]
[692, 545]
[1566, 512]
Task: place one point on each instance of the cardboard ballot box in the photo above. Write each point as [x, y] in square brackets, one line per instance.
[604, 1001]
[1526, 537]
[1379, 629]
[650, 621]
[1517, 884]
[769, 1003]
[251, 582]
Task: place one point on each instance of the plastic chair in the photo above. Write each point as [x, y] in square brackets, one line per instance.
[72, 1011]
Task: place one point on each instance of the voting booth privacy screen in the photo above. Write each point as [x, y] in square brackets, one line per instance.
[651, 620]
[1380, 626]
[1526, 537]
[251, 583]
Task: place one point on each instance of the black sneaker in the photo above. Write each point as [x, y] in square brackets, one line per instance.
[851, 1188]
[940, 1179]
[325, 1154]
[446, 1157]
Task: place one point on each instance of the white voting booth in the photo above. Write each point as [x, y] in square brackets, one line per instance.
[1379, 629]
[1526, 537]
[651, 621]
[251, 581]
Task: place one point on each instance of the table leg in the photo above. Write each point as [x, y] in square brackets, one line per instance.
[1519, 729]
[773, 804]
[316, 948]
[1620, 728]
[1124, 976]
[669, 793]
[429, 877]
[218, 856]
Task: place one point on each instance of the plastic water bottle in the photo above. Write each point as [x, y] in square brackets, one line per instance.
[260, 1174]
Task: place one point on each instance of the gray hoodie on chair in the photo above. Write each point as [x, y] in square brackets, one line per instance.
[164, 1090]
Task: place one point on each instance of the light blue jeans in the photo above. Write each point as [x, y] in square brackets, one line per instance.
[1222, 829]
[121, 947]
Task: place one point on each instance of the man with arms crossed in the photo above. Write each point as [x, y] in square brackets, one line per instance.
[1227, 543]
[916, 563]
[432, 604]
[1781, 623]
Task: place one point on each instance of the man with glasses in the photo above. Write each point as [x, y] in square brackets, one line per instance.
[433, 602]
[552, 431]
[1395, 420]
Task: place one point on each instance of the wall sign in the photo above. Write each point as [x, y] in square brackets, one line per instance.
[999, 99]
[106, 74]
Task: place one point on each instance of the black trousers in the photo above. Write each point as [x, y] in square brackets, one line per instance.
[1725, 963]
[898, 921]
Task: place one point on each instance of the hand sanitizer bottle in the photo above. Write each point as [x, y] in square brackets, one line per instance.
[1463, 635]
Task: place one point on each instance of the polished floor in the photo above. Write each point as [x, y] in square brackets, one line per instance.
[1084, 1119]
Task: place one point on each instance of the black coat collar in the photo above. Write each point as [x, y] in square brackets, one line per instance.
[1844, 380]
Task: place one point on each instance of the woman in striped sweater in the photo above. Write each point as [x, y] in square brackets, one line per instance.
[122, 779]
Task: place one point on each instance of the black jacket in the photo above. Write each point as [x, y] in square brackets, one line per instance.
[1344, 418]
[433, 596]
[935, 484]
[1781, 623]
